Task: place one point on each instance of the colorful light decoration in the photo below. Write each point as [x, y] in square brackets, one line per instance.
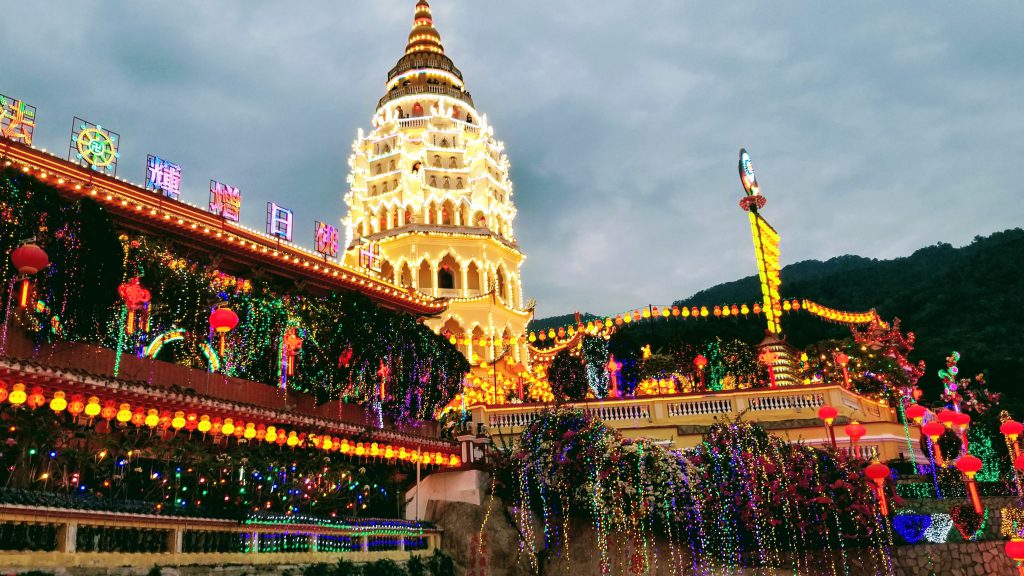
[970, 465]
[17, 120]
[28, 259]
[163, 177]
[843, 359]
[879, 473]
[934, 430]
[700, 362]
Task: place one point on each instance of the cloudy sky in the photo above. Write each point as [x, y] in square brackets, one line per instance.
[875, 127]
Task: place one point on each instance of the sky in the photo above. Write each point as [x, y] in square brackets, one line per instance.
[875, 127]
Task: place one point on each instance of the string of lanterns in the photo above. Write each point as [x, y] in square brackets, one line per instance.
[609, 324]
[92, 407]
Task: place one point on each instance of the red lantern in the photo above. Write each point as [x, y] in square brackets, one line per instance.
[934, 431]
[135, 298]
[222, 321]
[76, 405]
[916, 412]
[879, 473]
[855, 431]
[36, 398]
[292, 343]
[1018, 462]
[827, 414]
[700, 362]
[946, 416]
[28, 259]
[109, 410]
[970, 465]
[1012, 429]
[1015, 550]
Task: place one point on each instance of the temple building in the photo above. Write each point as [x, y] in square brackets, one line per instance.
[430, 203]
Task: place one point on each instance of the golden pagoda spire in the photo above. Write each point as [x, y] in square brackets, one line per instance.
[424, 37]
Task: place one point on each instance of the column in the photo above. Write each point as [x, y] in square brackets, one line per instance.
[175, 540]
[364, 544]
[465, 282]
[433, 277]
[401, 543]
[314, 543]
[254, 543]
[67, 537]
[437, 214]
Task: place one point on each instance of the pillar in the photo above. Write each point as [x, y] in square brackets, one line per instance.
[401, 543]
[433, 276]
[254, 543]
[364, 543]
[314, 543]
[175, 540]
[67, 537]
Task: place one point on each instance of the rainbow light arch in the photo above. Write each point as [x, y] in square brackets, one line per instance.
[175, 334]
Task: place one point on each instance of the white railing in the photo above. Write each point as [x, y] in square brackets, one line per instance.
[790, 402]
[416, 122]
[700, 407]
[620, 412]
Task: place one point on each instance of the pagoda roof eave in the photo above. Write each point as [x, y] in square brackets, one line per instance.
[140, 209]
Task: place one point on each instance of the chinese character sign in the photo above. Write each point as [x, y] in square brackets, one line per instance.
[17, 120]
[163, 176]
[326, 239]
[225, 201]
[94, 146]
[279, 221]
[369, 256]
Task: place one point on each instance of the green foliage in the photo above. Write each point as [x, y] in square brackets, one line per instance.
[441, 564]
[568, 377]
[416, 567]
[384, 567]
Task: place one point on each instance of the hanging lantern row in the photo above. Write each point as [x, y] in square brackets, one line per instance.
[968, 464]
[214, 426]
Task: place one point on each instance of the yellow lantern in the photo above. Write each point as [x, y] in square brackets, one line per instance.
[152, 418]
[178, 422]
[59, 402]
[92, 406]
[18, 395]
[228, 428]
[204, 424]
[360, 450]
[124, 413]
[250, 431]
[327, 443]
[271, 434]
[293, 439]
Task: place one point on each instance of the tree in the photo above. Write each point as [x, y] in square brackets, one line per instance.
[568, 377]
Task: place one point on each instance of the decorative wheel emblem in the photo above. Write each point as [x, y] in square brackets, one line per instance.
[97, 148]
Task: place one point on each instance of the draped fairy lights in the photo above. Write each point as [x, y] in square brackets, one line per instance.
[741, 496]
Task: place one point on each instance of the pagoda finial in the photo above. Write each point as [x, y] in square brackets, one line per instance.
[424, 37]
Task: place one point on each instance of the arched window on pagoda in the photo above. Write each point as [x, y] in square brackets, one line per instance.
[458, 183]
[408, 216]
[417, 109]
[473, 278]
[452, 163]
[405, 277]
[447, 183]
[447, 215]
[426, 285]
[479, 219]
[445, 278]
[469, 118]
[387, 271]
[416, 168]
[500, 281]
[399, 112]
[373, 190]
[433, 181]
[378, 168]
[391, 165]
[437, 161]
[384, 187]
[456, 113]
[387, 148]
[444, 143]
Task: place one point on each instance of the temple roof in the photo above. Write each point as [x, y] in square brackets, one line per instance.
[424, 37]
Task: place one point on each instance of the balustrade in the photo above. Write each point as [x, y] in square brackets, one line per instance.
[789, 402]
[700, 407]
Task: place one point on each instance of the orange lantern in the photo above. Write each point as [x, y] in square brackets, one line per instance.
[36, 398]
[77, 404]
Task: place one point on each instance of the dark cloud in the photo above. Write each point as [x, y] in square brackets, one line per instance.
[875, 127]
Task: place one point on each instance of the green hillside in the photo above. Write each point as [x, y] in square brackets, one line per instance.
[969, 299]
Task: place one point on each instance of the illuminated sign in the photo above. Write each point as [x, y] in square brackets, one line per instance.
[163, 176]
[17, 120]
[369, 256]
[766, 249]
[747, 173]
[326, 239]
[225, 201]
[94, 146]
[279, 221]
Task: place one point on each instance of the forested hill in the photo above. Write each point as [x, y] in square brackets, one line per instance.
[969, 299]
